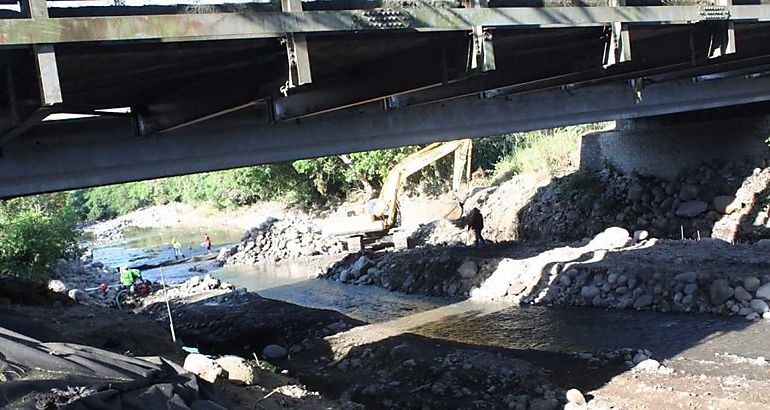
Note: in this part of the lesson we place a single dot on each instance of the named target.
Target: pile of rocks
(195, 285)
(582, 204)
(689, 291)
(232, 368)
(612, 270)
(278, 239)
(78, 278)
(435, 271)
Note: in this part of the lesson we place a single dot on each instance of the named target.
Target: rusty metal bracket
(618, 49)
(481, 52)
(723, 37)
(296, 52)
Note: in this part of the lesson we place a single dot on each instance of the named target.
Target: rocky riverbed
(613, 270)
(432, 359)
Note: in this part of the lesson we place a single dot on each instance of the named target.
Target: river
(687, 337)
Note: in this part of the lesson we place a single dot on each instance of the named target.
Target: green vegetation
(34, 232)
(336, 176)
(549, 151)
(300, 181)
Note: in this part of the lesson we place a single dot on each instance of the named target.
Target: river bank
(627, 320)
(470, 355)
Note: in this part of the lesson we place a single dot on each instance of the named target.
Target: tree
(34, 232)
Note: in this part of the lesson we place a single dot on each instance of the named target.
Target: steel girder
(71, 154)
(213, 26)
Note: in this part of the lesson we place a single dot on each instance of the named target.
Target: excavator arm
(384, 214)
(388, 199)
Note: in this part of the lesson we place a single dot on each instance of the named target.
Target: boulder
(468, 269)
(751, 283)
(643, 301)
(589, 292)
(720, 292)
(613, 237)
(647, 366)
(361, 266)
(516, 288)
(759, 306)
(688, 192)
(741, 294)
(641, 235)
(202, 366)
(238, 370)
(274, 352)
(763, 292)
(57, 286)
(687, 277)
(726, 204)
(575, 397)
(77, 295)
(691, 209)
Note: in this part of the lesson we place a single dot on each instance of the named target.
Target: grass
(547, 151)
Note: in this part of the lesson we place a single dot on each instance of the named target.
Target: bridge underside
(189, 102)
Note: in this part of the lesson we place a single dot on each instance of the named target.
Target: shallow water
(152, 246)
(530, 327)
(290, 282)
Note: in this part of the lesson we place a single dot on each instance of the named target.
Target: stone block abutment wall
(664, 146)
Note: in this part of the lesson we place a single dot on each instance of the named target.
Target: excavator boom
(384, 215)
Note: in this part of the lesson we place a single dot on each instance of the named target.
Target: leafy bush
(34, 232)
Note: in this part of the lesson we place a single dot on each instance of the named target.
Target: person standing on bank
(476, 222)
(207, 242)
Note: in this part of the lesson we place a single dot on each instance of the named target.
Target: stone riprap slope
(613, 270)
(710, 199)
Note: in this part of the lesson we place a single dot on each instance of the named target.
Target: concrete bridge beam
(71, 154)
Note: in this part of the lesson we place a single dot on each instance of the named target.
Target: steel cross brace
(481, 53)
(723, 40)
(296, 51)
(619, 45)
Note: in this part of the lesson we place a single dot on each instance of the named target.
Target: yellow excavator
(380, 219)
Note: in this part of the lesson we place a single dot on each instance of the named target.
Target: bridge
(170, 89)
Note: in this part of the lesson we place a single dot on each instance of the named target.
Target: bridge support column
(665, 145)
